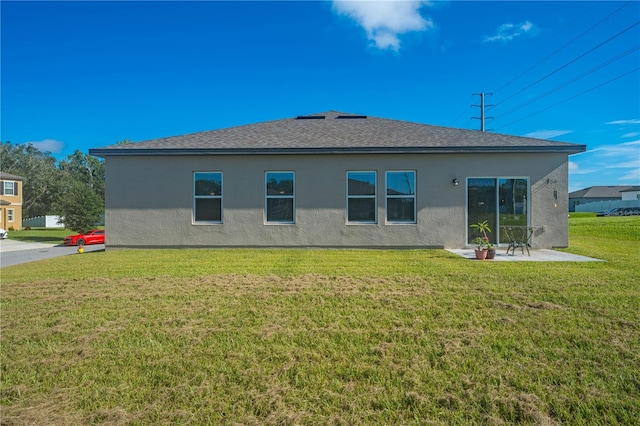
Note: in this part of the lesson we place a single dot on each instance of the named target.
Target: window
(401, 197)
(361, 197)
(280, 197)
(9, 188)
(207, 200)
(499, 201)
(10, 213)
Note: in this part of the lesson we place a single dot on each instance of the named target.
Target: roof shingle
(600, 192)
(9, 176)
(336, 132)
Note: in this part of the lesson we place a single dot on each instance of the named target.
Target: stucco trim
(105, 152)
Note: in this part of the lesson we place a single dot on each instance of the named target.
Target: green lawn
(43, 235)
(325, 336)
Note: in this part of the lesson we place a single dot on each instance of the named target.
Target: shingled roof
(336, 132)
(9, 176)
(600, 192)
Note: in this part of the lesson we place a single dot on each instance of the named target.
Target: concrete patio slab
(536, 256)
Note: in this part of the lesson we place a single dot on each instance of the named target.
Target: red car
(92, 237)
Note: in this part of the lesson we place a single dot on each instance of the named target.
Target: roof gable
(336, 132)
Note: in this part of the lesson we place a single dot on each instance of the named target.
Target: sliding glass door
(499, 201)
(481, 205)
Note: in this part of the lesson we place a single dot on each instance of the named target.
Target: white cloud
(632, 121)
(625, 149)
(575, 169)
(47, 145)
(633, 164)
(613, 164)
(385, 21)
(509, 31)
(630, 135)
(632, 177)
(547, 134)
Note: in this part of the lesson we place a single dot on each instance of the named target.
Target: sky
(79, 75)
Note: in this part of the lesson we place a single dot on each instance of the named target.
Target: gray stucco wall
(149, 199)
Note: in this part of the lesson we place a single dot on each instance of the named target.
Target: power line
(571, 81)
(606, 18)
(572, 97)
(581, 35)
(571, 62)
(459, 116)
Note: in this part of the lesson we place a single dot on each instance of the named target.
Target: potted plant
(491, 251)
(482, 242)
(481, 248)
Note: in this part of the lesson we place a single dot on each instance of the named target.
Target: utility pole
(482, 106)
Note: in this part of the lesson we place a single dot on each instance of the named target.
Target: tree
(82, 202)
(81, 207)
(73, 189)
(87, 169)
(42, 183)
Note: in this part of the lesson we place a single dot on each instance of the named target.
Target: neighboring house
(334, 180)
(632, 193)
(595, 194)
(10, 201)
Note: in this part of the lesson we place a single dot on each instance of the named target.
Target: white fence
(601, 206)
(43, 222)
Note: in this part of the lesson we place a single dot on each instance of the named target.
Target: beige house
(10, 201)
(334, 180)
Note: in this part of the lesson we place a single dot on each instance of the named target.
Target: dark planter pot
(491, 254)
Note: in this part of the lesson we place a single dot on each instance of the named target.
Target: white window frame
(374, 197)
(9, 184)
(217, 196)
(268, 197)
(387, 197)
(11, 214)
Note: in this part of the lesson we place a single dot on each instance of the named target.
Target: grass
(42, 235)
(582, 214)
(325, 336)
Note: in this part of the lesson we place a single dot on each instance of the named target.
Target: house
(334, 180)
(630, 194)
(594, 194)
(10, 201)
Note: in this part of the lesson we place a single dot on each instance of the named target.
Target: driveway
(14, 252)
